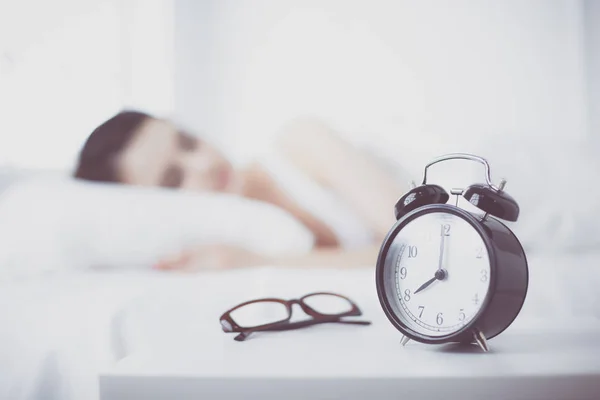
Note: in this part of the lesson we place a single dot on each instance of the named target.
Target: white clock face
(442, 273)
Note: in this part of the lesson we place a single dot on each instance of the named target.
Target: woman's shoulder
(313, 197)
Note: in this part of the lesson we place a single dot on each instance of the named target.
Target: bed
(77, 294)
(59, 331)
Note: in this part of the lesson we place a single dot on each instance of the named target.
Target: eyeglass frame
(229, 325)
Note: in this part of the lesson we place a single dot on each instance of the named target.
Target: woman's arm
(363, 183)
(211, 257)
(330, 258)
(261, 186)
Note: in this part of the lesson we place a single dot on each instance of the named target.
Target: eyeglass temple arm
(286, 326)
(302, 324)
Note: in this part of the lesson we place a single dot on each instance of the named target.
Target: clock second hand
(440, 274)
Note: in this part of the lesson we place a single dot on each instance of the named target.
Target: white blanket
(58, 331)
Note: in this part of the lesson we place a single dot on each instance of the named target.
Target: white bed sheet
(59, 331)
(56, 331)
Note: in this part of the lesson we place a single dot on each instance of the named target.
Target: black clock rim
(526, 288)
(455, 336)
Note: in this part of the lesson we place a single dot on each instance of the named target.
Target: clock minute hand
(441, 249)
(440, 274)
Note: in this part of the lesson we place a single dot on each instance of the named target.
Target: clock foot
(480, 339)
(404, 340)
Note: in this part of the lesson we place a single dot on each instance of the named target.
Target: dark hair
(97, 159)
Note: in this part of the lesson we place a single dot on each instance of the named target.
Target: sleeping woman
(341, 194)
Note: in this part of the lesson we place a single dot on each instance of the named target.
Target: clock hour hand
(423, 286)
(439, 275)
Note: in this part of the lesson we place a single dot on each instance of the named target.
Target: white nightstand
(531, 360)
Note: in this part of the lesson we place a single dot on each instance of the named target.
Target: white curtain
(67, 65)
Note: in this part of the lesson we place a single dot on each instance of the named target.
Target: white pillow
(555, 185)
(57, 224)
(554, 182)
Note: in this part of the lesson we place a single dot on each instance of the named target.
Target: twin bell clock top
(445, 274)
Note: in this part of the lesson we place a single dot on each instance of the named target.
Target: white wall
(195, 63)
(401, 70)
(464, 70)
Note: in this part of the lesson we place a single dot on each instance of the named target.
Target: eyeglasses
(273, 314)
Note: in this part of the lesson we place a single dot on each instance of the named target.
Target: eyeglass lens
(268, 312)
(260, 313)
(328, 304)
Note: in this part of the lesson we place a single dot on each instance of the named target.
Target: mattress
(59, 330)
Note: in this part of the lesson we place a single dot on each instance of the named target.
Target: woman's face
(161, 155)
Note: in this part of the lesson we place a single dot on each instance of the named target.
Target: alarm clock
(445, 274)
